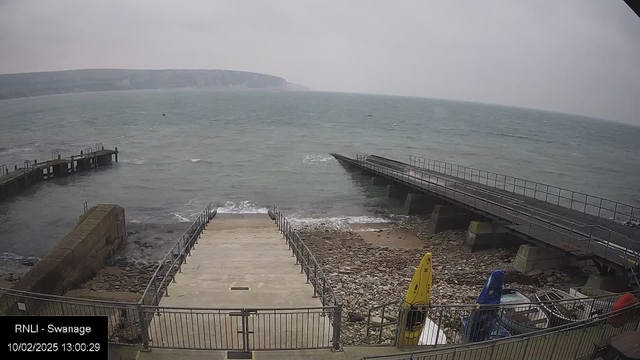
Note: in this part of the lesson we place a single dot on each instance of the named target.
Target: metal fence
(460, 323)
(123, 318)
(242, 329)
(148, 325)
(308, 264)
(589, 204)
(573, 340)
(315, 275)
(561, 232)
(175, 257)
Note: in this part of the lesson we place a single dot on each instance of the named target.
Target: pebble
(134, 277)
(365, 275)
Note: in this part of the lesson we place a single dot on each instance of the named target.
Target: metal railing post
(337, 326)
(606, 250)
(315, 279)
(307, 265)
(438, 328)
(143, 329)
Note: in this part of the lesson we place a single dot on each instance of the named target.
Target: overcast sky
(576, 56)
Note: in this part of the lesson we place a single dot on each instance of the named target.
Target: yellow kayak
(416, 300)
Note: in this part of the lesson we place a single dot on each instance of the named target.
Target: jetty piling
(32, 172)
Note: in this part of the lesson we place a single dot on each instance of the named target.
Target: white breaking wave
(12, 256)
(197, 160)
(133, 161)
(338, 223)
(181, 218)
(318, 159)
(14, 150)
(244, 207)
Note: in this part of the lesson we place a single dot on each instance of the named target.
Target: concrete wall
(80, 254)
(420, 204)
(531, 257)
(446, 218)
(398, 192)
(485, 235)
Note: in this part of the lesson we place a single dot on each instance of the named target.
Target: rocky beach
(372, 264)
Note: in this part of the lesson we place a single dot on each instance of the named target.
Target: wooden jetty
(22, 177)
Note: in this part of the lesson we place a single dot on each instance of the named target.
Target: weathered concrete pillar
(613, 283)
(485, 235)
(397, 191)
(531, 257)
(419, 204)
(379, 180)
(449, 218)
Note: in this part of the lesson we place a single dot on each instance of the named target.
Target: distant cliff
(72, 81)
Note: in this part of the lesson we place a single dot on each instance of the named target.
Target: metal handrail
(445, 310)
(173, 259)
(492, 179)
(634, 252)
(307, 261)
(600, 320)
(574, 225)
(432, 184)
(508, 305)
(315, 275)
(186, 308)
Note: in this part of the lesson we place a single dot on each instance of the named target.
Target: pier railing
(308, 264)
(175, 257)
(315, 275)
(546, 227)
(573, 340)
(575, 200)
(455, 324)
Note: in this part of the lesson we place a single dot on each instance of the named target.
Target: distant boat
(370, 115)
(518, 315)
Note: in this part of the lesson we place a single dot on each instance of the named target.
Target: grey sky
(576, 56)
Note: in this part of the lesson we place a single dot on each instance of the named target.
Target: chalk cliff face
(61, 82)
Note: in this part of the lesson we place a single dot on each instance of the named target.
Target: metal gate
(241, 330)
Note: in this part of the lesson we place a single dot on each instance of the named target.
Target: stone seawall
(81, 253)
